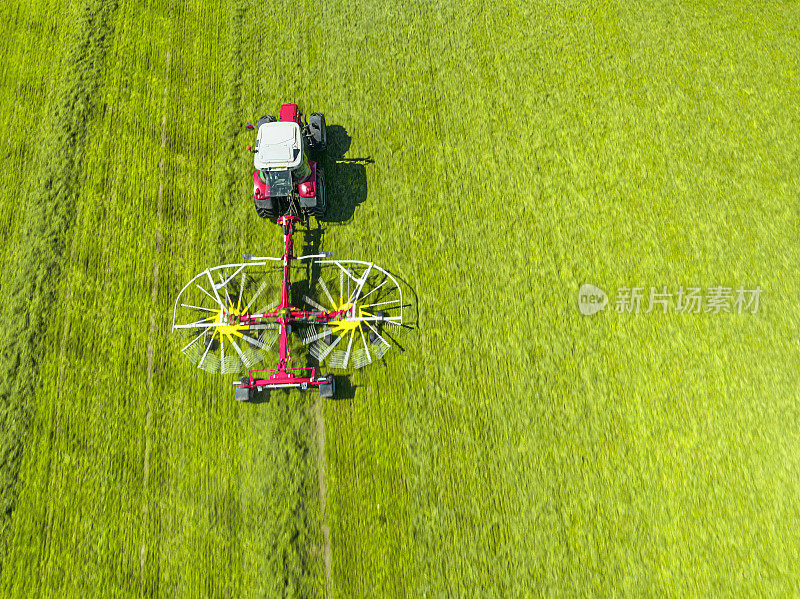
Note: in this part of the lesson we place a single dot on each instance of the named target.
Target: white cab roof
(278, 145)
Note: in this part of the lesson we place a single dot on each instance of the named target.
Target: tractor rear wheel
(322, 194)
(266, 209)
(266, 214)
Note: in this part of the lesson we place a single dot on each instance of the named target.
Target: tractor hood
(278, 146)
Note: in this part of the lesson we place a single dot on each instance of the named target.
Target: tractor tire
(317, 132)
(267, 214)
(328, 388)
(266, 209)
(267, 118)
(322, 194)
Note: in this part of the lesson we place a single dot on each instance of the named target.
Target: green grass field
(515, 447)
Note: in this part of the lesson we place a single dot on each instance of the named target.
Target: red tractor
(288, 177)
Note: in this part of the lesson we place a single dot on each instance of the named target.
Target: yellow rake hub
(231, 317)
(345, 326)
(349, 326)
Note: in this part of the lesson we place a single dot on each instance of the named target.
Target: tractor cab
(286, 174)
(279, 153)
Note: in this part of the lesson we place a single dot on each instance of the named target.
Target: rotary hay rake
(234, 315)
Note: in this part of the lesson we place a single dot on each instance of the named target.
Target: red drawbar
(288, 113)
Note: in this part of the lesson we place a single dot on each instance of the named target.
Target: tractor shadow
(345, 178)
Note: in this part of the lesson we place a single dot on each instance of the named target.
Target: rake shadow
(345, 389)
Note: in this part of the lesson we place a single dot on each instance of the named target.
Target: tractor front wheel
(317, 132)
(267, 118)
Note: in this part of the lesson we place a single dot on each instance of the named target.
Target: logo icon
(591, 299)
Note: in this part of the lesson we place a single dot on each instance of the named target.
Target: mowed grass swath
(26, 92)
(513, 447)
(48, 203)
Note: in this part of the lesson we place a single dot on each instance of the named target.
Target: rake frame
(237, 321)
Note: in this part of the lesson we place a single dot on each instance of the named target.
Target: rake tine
(205, 353)
(239, 351)
(349, 346)
(214, 289)
(327, 293)
(224, 286)
(270, 341)
(315, 337)
(309, 332)
(269, 308)
(373, 290)
(192, 342)
(366, 347)
(359, 285)
(375, 330)
(382, 348)
(261, 288)
(347, 271)
(241, 292)
(261, 327)
(226, 280)
(213, 299)
(313, 304)
(329, 349)
(197, 308)
(257, 342)
(382, 304)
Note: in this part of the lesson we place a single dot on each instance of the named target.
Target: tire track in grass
(49, 208)
(153, 297)
(319, 425)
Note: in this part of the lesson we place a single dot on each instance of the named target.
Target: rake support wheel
(244, 393)
(328, 388)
